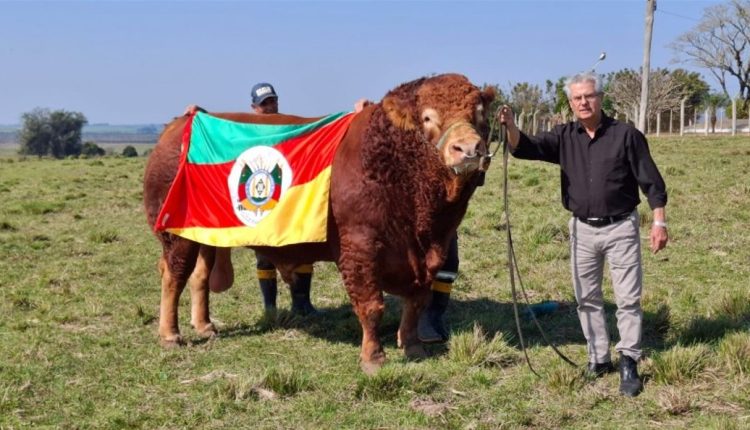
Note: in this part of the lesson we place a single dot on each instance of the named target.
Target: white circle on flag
(259, 178)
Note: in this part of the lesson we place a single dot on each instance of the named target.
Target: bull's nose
(467, 149)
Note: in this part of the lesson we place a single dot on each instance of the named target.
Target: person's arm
(652, 185)
(544, 146)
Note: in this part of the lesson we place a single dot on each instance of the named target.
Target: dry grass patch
(675, 401)
(680, 364)
(474, 349)
(734, 353)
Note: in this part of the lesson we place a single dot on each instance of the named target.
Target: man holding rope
(603, 162)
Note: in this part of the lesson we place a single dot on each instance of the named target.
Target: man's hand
(361, 104)
(505, 116)
(192, 110)
(659, 238)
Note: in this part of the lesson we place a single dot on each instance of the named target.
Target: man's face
(585, 102)
(269, 105)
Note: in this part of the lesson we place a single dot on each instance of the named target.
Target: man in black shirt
(602, 162)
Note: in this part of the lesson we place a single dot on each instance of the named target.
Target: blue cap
(261, 92)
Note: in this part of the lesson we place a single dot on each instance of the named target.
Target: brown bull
(401, 182)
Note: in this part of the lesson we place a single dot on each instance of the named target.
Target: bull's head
(452, 114)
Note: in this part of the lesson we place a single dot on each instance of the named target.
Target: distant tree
(720, 42)
(527, 99)
(624, 90)
(560, 99)
(500, 99)
(56, 133)
(742, 109)
(713, 102)
(129, 151)
(91, 149)
(694, 87)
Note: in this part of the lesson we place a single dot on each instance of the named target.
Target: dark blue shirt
(599, 177)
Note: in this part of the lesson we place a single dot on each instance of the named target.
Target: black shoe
(303, 307)
(300, 290)
(630, 382)
(597, 370)
(431, 327)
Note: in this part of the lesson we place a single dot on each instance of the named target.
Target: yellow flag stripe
(300, 217)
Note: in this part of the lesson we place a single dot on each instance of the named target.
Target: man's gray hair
(583, 77)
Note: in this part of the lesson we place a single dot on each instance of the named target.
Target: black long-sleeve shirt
(599, 177)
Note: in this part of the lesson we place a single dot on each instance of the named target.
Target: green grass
(79, 297)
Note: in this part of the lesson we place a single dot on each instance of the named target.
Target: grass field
(79, 297)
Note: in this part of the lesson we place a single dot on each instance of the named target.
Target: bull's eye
(426, 118)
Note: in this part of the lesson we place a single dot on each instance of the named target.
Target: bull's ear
(488, 95)
(399, 112)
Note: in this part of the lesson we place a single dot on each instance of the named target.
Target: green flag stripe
(214, 140)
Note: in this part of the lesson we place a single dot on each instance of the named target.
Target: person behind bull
(265, 101)
(431, 327)
(602, 162)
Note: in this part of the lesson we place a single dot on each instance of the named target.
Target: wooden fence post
(671, 120)
(682, 117)
(658, 123)
(707, 118)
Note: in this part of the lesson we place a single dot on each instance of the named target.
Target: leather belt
(603, 221)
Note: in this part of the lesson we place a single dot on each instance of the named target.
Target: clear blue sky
(142, 62)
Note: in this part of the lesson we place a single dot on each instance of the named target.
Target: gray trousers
(620, 244)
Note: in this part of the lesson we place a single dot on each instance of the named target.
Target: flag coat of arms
(241, 184)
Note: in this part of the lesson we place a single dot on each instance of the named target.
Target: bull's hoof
(173, 341)
(208, 331)
(370, 367)
(375, 362)
(415, 352)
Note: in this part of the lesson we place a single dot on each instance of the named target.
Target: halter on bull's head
(452, 115)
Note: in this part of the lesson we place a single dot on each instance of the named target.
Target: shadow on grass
(340, 324)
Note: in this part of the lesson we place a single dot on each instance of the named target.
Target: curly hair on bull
(401, 104)
(403, 167)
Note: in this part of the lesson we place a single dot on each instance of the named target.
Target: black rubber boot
(597, 370)
(431, 327)
(300, 289)
(630, 382)
(269, 290)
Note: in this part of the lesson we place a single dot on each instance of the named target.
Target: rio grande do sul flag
(244, 184)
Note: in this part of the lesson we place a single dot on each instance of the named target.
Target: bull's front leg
(199, 292)
(357, 269)
(407, 330)
(176, 265)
